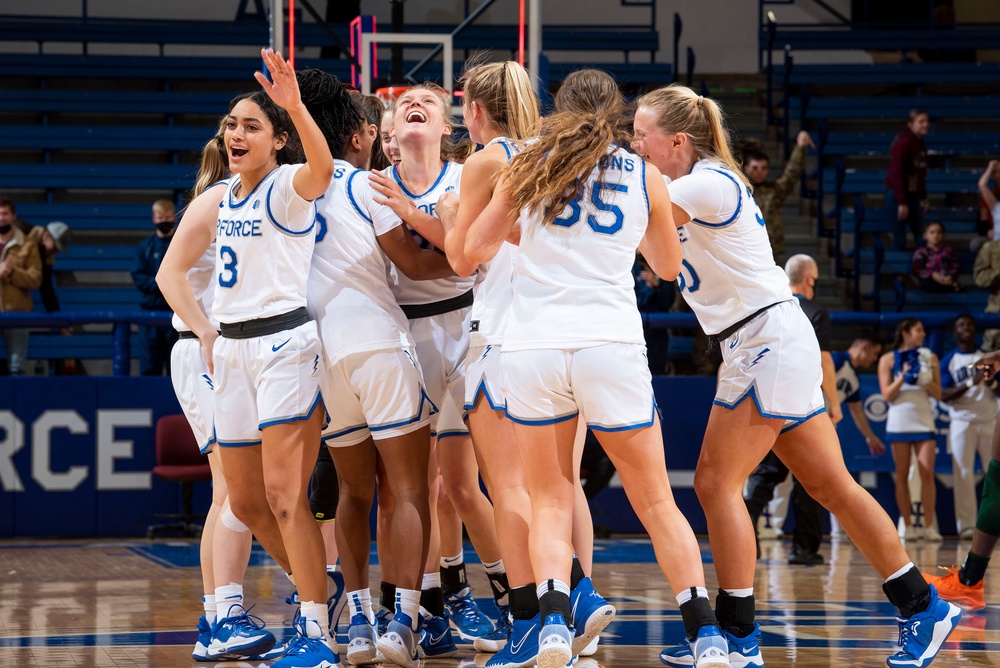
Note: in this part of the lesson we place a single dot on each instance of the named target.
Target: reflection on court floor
(136, 604)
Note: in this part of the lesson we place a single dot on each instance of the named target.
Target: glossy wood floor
(136, 604)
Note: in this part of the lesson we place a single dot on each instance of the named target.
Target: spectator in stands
(908, 376)
(653, 296)
(20, 273)
(972, 404)
(906, 181)
(935, 265)
(771, 195)
(803, 272)
(51, 239)
(154, 351)
(986, 274)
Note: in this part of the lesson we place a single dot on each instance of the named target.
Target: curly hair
(336, 111)
(588, 121)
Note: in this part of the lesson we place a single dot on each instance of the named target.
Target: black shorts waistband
(187, 334)
(414, 311)
(251, 329)
(716, 339)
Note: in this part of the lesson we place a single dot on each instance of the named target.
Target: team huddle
(443, 320)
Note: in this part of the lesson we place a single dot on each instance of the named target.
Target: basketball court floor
(136, 604)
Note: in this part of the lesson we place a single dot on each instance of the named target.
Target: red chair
(178, 459)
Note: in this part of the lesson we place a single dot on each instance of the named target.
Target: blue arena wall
(76, 456)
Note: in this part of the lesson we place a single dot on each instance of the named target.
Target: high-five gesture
(283, 88)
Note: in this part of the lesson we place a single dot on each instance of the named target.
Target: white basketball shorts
(377, 393)
(195, 390)
(442, 342)
(610, 384)
(265, 381)
(774, 360)
(482, 378)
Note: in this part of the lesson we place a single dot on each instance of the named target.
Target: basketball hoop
(389, 94)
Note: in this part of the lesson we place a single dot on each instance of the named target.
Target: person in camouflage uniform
(771, 195)
(986, 273)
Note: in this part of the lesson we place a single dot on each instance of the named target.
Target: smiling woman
(267, 358)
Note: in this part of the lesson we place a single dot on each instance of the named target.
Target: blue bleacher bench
(88, 216)
(105, 137)
(895, 107)
(806, 37)
(883, 74)
(48, 100)
(864, 181)
(53, 345)
(942, 143)
(107, 257)
(111, 176)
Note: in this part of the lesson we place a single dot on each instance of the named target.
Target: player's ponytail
(505, 93)
(573, 141)
(681, 110)
(214, 162)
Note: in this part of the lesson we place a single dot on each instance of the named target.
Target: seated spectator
(20, 273)
(935, 265)
(653, 295)
(771, 195)
(906, 180)
(51, 239)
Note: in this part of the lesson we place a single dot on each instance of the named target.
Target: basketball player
(768, 393)
(574, 344)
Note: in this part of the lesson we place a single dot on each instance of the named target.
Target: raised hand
(282, 88)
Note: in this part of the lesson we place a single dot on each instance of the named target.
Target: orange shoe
(950, 588)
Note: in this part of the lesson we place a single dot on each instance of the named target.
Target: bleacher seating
(159, 103)
(888, 74)
(806, 107)
(112, 217)
(864, 181)
(939, 143)
(105, 137)
(109, 176)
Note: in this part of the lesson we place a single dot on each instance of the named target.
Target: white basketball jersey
(573, 284)
(979, 402)
(201, 276)
(728, 270)
(349, 293)
(265, 242)
(493, 288)
(407, 291)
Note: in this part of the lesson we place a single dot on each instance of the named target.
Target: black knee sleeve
(324, 488)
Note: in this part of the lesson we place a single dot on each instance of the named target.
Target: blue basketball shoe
(743, 652)
(201, 646)
(361, 641)
(399, 643)
(521, 649)
(591, 614)
(306, 652)
(435, 638)
(710, 648)
(465, 616)
(921, 635)
(238, 635)
(497, 638)
(555, 642)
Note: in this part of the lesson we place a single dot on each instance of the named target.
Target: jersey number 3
(227, 277)
(574, 213)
